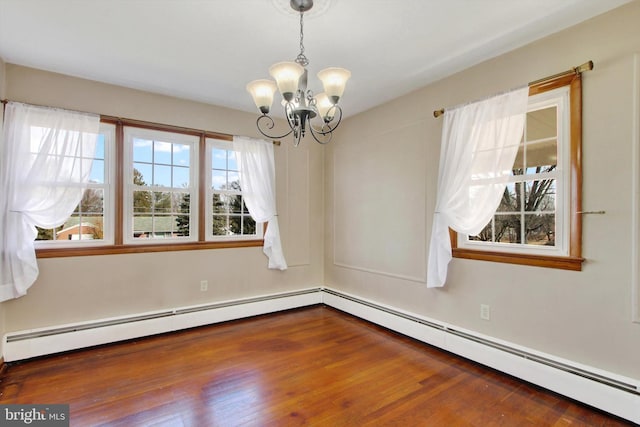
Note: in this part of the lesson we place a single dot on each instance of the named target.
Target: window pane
(162, 175)
(80, 227)
(235, 225)
(542, 156)
(233, 182)
(219, 204)
(99, 147)
(163, 226)
(540, 229)
(508, 228)
(248, 226)
(162, 203)
(181, 155)
(142, 174)
(245, 210)
(184, 218)
(142, 150)
(92, 201)
(162, 152)
(142, 226)
(235, 204)
(142, 201)
(97, 172)
(511, 198)
(220, 225)
(180, 177)
(218, 179)
(540, 195)
(219, 158)
(542, 124)
(232, 161)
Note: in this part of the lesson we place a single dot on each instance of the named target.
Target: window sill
(563, 263)
(135, 249)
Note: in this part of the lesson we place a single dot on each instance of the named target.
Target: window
(538, 220)
(227, 213)
(146, 187)
(90, 223)
(162, 182)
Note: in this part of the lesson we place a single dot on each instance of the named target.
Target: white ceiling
(207, 50)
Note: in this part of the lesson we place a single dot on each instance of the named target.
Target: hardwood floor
(313, 366)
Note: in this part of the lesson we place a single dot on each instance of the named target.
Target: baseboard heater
(632, 388)
(42, 341)
(610, 392)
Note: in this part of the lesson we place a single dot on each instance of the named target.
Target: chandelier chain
(301, 58)
(302, 33)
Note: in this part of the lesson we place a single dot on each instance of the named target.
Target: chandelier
(300, 104)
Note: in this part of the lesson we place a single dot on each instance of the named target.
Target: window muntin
(227, 215)
(161, 186)
(533, 215)
(91, 222)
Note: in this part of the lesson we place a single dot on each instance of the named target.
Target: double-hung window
(538, 220)
(161, 192)
(91, 222)
(227, 214)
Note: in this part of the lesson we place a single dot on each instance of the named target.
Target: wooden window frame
(574, 260)
(119, 246)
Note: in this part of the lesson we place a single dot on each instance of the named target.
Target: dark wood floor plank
(313, 366)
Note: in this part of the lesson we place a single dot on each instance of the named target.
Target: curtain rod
(587, 66)
(144, 123)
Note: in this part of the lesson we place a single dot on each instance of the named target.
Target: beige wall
(94, 287)
(381, 176)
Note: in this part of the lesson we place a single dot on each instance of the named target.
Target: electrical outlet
(204, 285)
(485, 312)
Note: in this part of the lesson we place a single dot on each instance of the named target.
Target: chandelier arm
(327, 125)
(270, 124)
(323, 139)
(291, 117)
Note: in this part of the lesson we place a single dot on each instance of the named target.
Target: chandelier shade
(300, 104)
(334, 81)
(324, 106)
(287, 75)
(262, 92)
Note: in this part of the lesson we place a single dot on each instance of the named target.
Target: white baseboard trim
(42, 341)
(607, 391)
(610, 392)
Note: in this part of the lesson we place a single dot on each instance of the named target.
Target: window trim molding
(574, 260)
(119, 246)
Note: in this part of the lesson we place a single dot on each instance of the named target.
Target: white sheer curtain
(46, 157)
(479, 145)
(258, 183)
